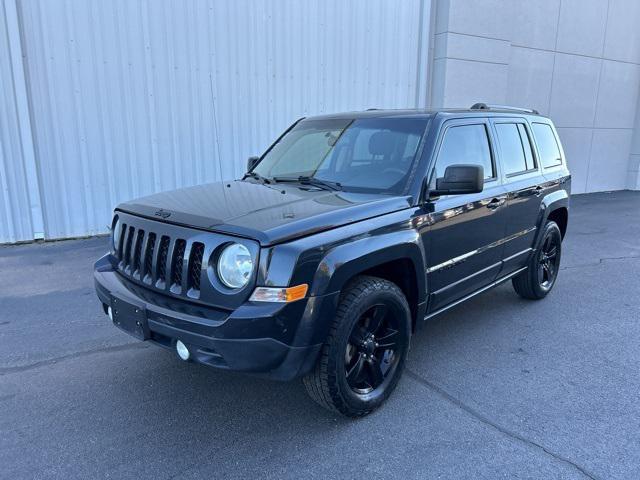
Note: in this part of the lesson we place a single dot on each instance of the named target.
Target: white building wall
(20, 212)
(634, 160)
(106, 101)
(14, 222)
(577, 61)
(130, 98)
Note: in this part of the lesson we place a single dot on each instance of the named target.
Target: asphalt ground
(498, 387)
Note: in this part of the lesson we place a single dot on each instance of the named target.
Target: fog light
(182, 350)
(110, 313)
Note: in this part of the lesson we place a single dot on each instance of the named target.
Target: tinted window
(526, 144)
(515, 148)
(547, 145)
(466, 144)
(301, 155)
(364, 155)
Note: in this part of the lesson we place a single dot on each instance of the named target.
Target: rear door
(525, 185)
(465, 232)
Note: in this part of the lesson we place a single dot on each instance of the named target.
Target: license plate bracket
(130, 318)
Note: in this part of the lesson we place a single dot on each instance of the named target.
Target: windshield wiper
(313, 181)
(257, 176)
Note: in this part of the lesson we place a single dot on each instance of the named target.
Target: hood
(267, 213)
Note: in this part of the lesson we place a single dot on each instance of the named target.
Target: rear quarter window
(548, 149)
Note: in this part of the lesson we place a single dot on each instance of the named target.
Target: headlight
(235, 266)
(115, 233)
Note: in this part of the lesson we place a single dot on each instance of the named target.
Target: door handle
(495, 203)
(538, 191)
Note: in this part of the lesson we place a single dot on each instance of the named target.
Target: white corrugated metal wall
(20, 205)
(127, 98)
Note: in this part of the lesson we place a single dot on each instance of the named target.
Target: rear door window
(515, 148)
(465, 144)
(528, 149)
(547, 145)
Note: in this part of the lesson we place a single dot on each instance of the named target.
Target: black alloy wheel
(363, 357)
(549, 260)
(370, 355)
(544, 264)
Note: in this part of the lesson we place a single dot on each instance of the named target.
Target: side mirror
(252, 162)
(460, 179)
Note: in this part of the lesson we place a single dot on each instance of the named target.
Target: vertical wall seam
(595, 113)
(433, 12)
(150, 97)
(555, 55)
(213, 77)
(80, 122)
(10, 232)
(19, 83)
(423, 66)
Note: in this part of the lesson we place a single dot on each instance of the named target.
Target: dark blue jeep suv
(346, 235)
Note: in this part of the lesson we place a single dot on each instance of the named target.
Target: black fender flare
(345, 261)
(550, 202)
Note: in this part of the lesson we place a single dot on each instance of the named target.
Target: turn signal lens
(283, 295)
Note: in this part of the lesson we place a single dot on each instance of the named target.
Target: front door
(465, 236)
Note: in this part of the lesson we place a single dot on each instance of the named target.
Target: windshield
(365, 155)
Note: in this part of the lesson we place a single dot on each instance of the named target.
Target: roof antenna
(215, 127)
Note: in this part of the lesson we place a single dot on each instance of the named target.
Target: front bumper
(278, 341)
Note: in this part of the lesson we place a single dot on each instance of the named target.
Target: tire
(539, 278)
(359, 366)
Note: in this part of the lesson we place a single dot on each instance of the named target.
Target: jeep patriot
(347, 234)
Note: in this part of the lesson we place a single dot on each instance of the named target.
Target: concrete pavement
(497, 388)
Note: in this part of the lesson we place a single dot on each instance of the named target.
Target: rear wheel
(538, 280)
(364, 355)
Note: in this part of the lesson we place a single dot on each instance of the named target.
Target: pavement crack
(487, 421)
(600, 262)
(51, 361)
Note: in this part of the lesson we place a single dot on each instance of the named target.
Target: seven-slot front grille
(177, 261)
(159, 260)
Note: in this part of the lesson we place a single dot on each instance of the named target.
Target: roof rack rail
(487, 106)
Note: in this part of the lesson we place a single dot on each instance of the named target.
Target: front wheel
(364, 355)
(538, 280)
